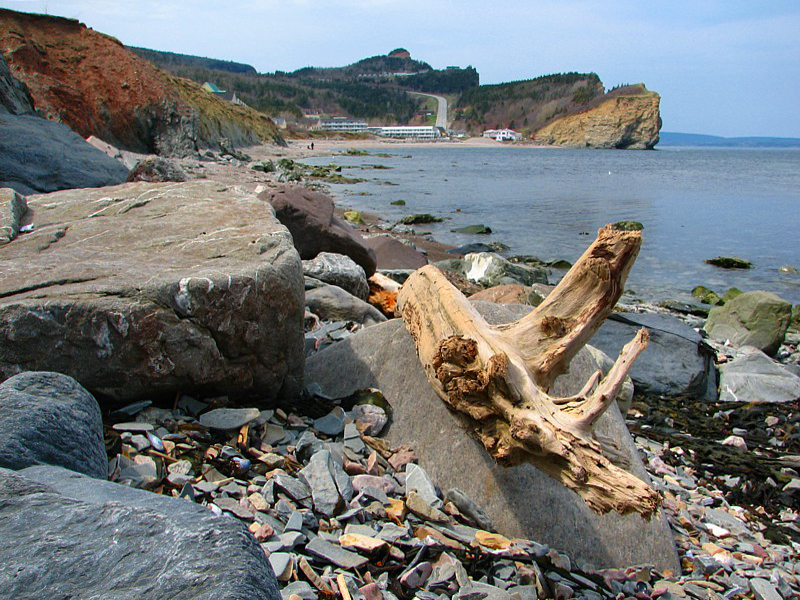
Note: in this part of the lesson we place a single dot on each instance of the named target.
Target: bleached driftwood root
(498, 378)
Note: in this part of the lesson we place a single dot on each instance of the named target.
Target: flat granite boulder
(154, 288)
(520, 501)
(49, 419)
(66, 535)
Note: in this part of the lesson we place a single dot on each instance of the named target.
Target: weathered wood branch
(498, 378)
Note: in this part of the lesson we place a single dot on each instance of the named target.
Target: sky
(722, 67)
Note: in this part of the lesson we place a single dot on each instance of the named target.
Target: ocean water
(694, 203)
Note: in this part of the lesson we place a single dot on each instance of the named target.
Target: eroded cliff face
(627, 120)
(96, 86)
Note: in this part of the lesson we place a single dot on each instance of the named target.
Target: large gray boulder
(676, 362)
(758, 319)
(520, 501)
(154, 288)
(49, 419)
(315, 228)
(752, 376)
(70, 536)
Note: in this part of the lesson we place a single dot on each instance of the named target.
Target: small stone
(396, 510)
(494, 541)
(419, 507)
(295, 522)
(232, 505)
(181, 467)
(258, 502)
(134, 426)
(273, 434)
(361, 481)
(469, 508)
(179, 479)
(282, 564)
(735, 441)
(319, 475)
(417, 480)
(331, 424)
(272, 460)
(369, 419)
(205, 487)
(792, 486)
(362, 543)
(416, 577)
(227, 419)
(335, 555)
(295, 488)
(402, 456)
(263, 532)
(139, 442)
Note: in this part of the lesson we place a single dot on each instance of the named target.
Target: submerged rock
(729, 262)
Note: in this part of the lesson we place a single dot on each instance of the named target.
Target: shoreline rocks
(150, 288)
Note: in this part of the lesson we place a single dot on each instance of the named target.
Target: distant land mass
(566, 109)
(671, 138)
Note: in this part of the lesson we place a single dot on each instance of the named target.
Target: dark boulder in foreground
(520, 501)
(66, 535)
(49, 419)
(309, 217)
(154, 288)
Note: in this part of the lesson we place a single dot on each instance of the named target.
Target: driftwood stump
(498, 378)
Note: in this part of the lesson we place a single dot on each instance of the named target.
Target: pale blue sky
(722, 67)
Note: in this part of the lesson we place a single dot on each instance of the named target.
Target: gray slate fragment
(469, 508)
(297, 489)
(331, 424)
(418, 480)
(59, 528)
(335, 555)
(763, 590)
(319, 476)
(226, 419)
(49, 419)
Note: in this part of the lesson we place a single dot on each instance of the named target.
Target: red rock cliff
(91, 82)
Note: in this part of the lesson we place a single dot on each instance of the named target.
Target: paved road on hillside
(441, 114)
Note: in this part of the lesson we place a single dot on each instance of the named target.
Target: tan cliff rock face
(92, 83)
(627, 120)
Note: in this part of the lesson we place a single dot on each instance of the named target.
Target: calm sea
(694, 203)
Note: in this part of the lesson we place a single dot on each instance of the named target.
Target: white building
(502, 135)
(418, 132)
(342, 124)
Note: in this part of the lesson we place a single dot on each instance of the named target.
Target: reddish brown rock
(309, 217)
(394, 254)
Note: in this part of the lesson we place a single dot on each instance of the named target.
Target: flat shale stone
(226, 419)
(335, 555)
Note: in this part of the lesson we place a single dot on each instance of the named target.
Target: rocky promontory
(92, 83)
(627, 118)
